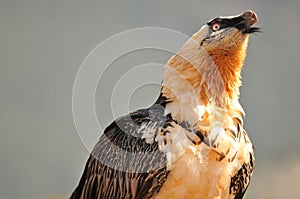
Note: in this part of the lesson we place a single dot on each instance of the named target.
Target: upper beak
(249, 18)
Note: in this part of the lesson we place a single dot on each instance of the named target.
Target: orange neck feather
(229, 65)
(216, 72)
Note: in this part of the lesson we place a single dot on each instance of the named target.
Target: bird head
(225, 34)
(218, 51)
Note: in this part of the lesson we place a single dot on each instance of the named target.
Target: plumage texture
(191, 143)
(122, 164)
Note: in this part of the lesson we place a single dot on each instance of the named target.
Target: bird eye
(215, 26)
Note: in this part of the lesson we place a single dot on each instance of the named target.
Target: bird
(191, 142)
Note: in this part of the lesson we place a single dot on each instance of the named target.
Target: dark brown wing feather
(122, 164)
(240, 182)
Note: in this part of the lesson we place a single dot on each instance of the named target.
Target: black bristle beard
(252, 30)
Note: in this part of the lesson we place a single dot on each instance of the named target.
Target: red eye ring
(215, 26)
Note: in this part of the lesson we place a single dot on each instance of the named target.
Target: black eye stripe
(226, 22)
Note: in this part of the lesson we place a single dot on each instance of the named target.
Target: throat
(226, 73)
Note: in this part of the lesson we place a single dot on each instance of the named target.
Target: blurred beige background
(43, 43)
